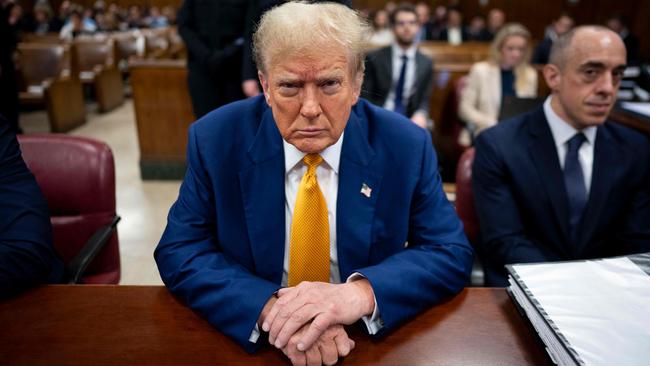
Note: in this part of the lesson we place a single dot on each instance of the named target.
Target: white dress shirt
(409, 78)
(562, 132)
(327, 174)
(454, 36)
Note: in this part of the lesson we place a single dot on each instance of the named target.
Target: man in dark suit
(27, 256)
(561, 183)
(561, 25)
(311, 188)
(213, 32)
(399, 77)
(454, 32)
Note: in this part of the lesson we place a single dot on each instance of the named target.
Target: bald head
(584, 38)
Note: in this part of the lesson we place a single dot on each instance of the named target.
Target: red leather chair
(464, 195)
(466, 212)
(77, 177)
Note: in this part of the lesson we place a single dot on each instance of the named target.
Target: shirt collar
(561, 130)
(410, 52)
(331, 155)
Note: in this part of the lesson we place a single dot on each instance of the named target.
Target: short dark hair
(403, 7)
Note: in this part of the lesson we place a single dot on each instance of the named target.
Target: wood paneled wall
(536, 15)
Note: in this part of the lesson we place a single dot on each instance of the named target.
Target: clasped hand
(311, 314)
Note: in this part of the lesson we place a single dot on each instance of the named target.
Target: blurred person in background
(424, 17)
(496, 20)
(477, 29)
(454, 32)
(618, 23)
(560, 26)
(507, 72)
(382, 35)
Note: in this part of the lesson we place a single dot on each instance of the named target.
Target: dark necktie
(399, 88)
(574, 182)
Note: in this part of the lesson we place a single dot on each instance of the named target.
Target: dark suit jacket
(222, 251)
(444, 35)
(521, 200)
(542, 51)
(378, 79)
(27, 256)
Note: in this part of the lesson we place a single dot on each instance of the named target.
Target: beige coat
(481, 97)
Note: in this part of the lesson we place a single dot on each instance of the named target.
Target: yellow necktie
(309, 256)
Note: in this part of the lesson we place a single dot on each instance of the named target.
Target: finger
(277, 306)
(314, 357)
(328, 351)
(317, 327)
(297, 358)
(283, 291)
(297, 320)
(343, 344)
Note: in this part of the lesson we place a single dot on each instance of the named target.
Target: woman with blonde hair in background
(507, 72)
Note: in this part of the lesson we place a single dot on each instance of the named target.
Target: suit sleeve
(503, 238)
(427, 85)
(438, 259)
(27, 256)
(635, 230)
(195, 269)
(369, 87)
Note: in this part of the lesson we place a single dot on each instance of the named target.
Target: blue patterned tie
(574, 182)
(399, 89)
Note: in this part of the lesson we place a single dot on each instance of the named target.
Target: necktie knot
(575, 142)
(404, 58)
(312, 161)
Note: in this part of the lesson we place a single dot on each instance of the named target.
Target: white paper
(642, 108)
(601, 307)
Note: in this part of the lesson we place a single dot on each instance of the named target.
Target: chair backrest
(77, 177)
(88, 53)
(127, 45)
(40, 61)
(464, 195)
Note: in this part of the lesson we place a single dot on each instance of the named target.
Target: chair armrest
(77, 266)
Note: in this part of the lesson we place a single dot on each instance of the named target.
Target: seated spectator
(438, 22)
(134, 19)
(27, 257)
(507, 72)
(399, 77)
(496, 20)
(76, 27)
(156, 19)
(454, 32)
(381, 32)
(169, 12)
(560, 183)
(561, 25)
(424, 18)
(43, 23)
(618, 24)
(477, 30)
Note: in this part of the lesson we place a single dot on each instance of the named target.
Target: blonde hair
(510, 30)
(303, 28)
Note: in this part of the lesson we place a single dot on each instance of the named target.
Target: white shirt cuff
(373, 322)
(255, 334)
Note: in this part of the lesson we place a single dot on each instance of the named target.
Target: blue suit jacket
(522, 203)
(27, 256)
(222, 251)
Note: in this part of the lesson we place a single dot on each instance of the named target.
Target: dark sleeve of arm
(428, 89)
(27, 257)
(503, 239)
(193, 266)
(436, 263)
(635, 231)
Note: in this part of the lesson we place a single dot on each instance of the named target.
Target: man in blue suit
(561, 183)
(395, 244)
(27, 257)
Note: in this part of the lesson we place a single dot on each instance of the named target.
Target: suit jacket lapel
(386, 70)
(544, 154)
(355, 209)
(606, 155)
(262, 187)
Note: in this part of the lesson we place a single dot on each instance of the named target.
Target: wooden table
(142, 325)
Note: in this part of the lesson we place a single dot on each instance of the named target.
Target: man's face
(423, 12)
(405, 28)
(496, 19)
(584, 90)
(563, 25)
(311, 97)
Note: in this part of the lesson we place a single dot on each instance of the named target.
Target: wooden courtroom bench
(163, 113)
(127, 46)
(44, 78)
(465, 53)
(93, 63)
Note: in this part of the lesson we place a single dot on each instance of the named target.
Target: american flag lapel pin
(365, 190)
